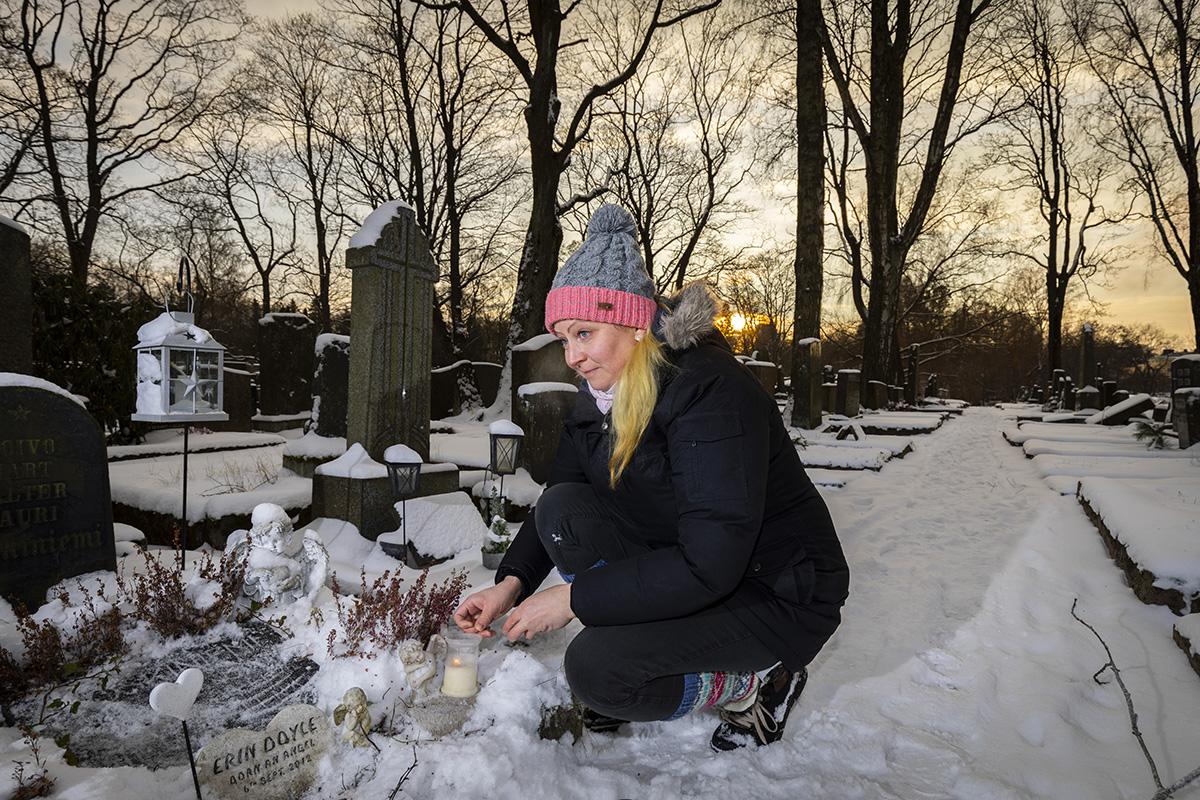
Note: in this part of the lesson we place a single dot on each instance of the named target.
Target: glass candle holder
(461, 675)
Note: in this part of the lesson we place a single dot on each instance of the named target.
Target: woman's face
(598, 351)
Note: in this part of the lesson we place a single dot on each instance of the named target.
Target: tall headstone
(1107, 389)
(806, 384)
(16, 298)
(1088, 397)
(285, 354)
(1185, 371)
(393, 274)
(847, 392)
(1068, 395)
(1087, 355)
(767, 374)
(877, 395)
(910, 383)
(55, 507)
(1185, 415)
(544, 391)
(487, 377)
(539, 360)
(238, 401)
(331, 379)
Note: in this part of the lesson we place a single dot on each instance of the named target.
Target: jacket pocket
(710, 445)
(795, 584)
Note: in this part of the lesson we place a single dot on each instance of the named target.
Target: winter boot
(762, 723)
(596, 722)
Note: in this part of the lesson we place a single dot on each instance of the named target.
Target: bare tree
(138, 76)
(303, 99)
(532, 40)
(670, 145)
(1144, 55)
(916, 60)
(1049, 153)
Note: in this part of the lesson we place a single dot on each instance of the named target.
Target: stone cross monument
(393, 274)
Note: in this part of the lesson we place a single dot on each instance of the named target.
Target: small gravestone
(1120, 396)
(896, 394)
(1087, 355)
(877, 394)
(910, 378)
(238, 401)
(828, 397)
(55, 507)
(285, 354)
(931, 385)
(16, 298)
(1068, 396)
(1185, 415)
(1185, 371)
(1088, 397)
(1107, 389)
(279, 762)
(331, 377)
(539, 360)
(847, 392)
(806, 384)
(446, 396)
(487, 378)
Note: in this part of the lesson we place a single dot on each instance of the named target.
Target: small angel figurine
(280, 565)
(354, 714)
(420, 664)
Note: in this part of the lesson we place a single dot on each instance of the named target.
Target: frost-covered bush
(384, 616)
(54, 654)
(172, 604)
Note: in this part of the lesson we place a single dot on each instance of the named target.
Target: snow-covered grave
(1151, 529)
(897, 423)
(958, 670)
(1018, 434)
(167, 441)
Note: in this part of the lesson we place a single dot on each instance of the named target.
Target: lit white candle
(460, 679)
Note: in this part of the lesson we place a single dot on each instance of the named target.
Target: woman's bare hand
(548, 610)
(484, 607)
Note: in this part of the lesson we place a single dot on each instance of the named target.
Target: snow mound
(402, 454)
(356, 462)
(538, 387)
(442, 525)
(376, 221)
(266, 513)
(157, 330)
(312, 446)
(505, 427)
(30, 382)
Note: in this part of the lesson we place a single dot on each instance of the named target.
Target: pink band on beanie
(598, 304)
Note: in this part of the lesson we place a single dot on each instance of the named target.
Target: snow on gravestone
(55, 508)
(278, 763)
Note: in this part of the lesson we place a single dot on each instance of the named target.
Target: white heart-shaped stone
(176, 699)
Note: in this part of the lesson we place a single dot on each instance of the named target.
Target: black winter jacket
(716, 489)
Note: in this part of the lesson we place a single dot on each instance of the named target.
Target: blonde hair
(633, 402)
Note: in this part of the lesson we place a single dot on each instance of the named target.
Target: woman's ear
(637, 337)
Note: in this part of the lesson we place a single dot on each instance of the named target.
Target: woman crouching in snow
(699, 557)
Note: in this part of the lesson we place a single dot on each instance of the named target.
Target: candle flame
(456, 662)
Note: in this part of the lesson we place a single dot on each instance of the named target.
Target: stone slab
(277, 763)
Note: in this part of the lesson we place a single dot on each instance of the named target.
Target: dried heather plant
(384, 616)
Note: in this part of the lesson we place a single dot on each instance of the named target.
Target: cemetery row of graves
(274, 568)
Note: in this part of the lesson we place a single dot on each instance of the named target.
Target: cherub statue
(280, 565)
(354, 714)
(420, 664)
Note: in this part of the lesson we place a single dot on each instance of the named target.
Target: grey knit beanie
(605, 280)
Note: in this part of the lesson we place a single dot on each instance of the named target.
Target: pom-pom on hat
(605, 280)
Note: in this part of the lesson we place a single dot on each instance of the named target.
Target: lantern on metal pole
(180, 373)
(505, 438)
(404, 471)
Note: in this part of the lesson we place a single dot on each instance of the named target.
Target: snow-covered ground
(958, 671)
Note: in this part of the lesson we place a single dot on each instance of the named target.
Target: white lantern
(180, 371)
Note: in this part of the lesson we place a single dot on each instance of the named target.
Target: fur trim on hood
(689, 316)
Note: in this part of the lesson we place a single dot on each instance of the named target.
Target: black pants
(634, 672)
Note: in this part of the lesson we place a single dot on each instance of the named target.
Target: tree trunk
(810, 194)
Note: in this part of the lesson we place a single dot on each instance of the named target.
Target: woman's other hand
(482, 608)
(548, 610)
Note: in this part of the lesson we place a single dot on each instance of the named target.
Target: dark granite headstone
(847, 392)
(1068, 396)
(445, 389)
(1120, 396)
(828, 375)
(1087, 356)
(877, 395)
(896, 394)
(285, 355)
(239, 403)
(806, 384)
(487, 378)
(539, 360)
(1185, 371)
(55, 508)
(330, 381)
(910, 378)
(1107, 388)
(1135, 409)
(1185, 415)
(931, 385)
(16, 299)
(541, 415)
(1088, 397)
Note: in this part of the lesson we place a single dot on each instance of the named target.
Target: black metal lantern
(505, 437)
(404, 470)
